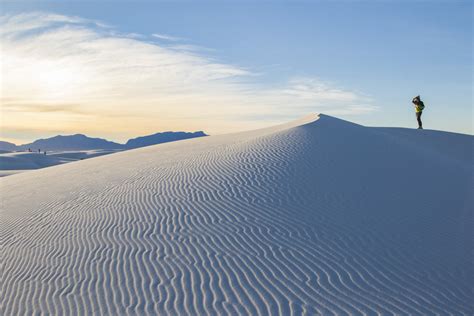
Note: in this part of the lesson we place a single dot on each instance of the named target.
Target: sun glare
(55, 82)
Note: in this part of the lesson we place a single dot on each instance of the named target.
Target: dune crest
(317, 216)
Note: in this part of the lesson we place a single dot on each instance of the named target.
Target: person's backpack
(421, 105)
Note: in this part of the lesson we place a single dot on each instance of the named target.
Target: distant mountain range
(6, 146)
(83, 142)
(71, 142)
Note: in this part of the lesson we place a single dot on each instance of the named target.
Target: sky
(122, 69)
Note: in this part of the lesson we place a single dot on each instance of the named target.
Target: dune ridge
(317, 216)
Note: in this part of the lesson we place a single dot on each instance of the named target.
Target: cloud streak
(55, 66)
(166, 37)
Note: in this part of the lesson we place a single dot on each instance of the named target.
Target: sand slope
(21, 161)
(318, 216)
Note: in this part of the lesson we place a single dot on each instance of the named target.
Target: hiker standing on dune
(419, 106)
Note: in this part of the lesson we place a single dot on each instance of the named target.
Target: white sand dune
(21, 161)
(319, 216)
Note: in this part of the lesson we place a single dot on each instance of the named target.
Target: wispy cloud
(313, 89)
(81, 74)
(42, 108)
(167, 37)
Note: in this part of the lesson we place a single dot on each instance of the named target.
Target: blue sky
(386, 52)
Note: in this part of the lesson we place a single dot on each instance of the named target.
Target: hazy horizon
(98, 137)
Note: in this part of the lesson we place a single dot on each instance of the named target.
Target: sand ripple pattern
(323, 218)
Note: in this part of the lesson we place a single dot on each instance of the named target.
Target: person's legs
(418, 118)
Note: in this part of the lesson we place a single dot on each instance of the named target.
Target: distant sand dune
(318, 216)
(21, 161)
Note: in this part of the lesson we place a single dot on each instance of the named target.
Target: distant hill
(6, 146)
(71, 142)
(83, 142)
(63, 149)
(159, 138)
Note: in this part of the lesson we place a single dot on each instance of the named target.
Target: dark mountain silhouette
(71, 142)
(159, 138)
(6, 146)
(83, 142)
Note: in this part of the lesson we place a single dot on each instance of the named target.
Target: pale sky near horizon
(123, 69)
